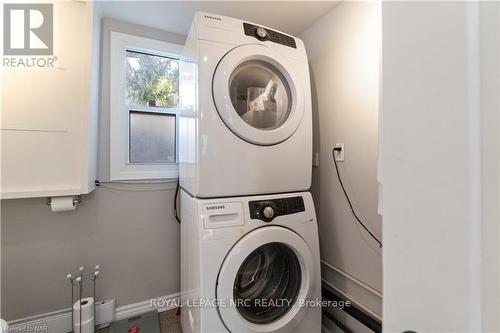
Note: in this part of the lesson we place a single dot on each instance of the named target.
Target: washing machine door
(263, 280)
(258, 94)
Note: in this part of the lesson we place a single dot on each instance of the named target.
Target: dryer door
(258, 95)
(263, 279)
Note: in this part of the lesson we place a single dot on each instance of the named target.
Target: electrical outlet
(339, 155)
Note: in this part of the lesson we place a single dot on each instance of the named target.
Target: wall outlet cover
(339, 156)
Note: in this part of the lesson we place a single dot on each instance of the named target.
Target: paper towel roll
(87, 310)
(62, 204)
(4, 327)
(87, 326)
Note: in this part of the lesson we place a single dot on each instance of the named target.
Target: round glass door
(258, 95)
(260, 282)
(267, 283)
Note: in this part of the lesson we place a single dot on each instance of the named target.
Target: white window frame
(120, 168)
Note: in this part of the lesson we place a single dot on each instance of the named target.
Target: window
(152, 80)
(151, 137)
(144, 96)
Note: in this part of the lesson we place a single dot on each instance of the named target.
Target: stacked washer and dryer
(249, 239)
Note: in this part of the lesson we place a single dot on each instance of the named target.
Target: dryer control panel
(267, 210)
(263, 34)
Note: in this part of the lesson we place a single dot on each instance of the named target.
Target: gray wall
(343, 50)
(131, 233)
(129, 230)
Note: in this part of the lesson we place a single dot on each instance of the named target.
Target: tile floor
(169, 322)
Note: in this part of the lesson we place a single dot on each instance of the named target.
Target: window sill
(139, 185)
(141, 172)
(139, 181)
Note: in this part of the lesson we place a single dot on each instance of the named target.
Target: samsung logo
(216, 207)
(213, 18)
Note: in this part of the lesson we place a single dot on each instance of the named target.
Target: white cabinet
(49, 115)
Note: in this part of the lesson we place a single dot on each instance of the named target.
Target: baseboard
(351, 318)
(325, 328)
(359, 293)
(135, 309)
(60, 321)
(331, 324)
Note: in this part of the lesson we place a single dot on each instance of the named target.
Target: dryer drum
(260, 94)
(267, 283)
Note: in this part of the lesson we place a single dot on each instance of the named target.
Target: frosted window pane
(152, 137)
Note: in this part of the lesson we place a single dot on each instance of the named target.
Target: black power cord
(339, 149)
(175, 201)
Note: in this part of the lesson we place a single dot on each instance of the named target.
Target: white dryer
(250, 264)
(245, 123)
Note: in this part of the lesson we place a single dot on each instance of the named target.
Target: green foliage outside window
(152, 80)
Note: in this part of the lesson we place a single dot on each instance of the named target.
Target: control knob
(268, 212)
(261, 33)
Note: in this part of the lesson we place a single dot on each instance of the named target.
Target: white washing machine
(245, 121)
(250, 264)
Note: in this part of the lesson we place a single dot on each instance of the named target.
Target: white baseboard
(60, 321)
(135, 309)
(360, 294)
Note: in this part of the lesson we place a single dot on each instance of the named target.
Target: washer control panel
(262, 34)
(267, 210)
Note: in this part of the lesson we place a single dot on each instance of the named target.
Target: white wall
(48, 113)
(343, 49)
(490, 140)
(437, 110)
